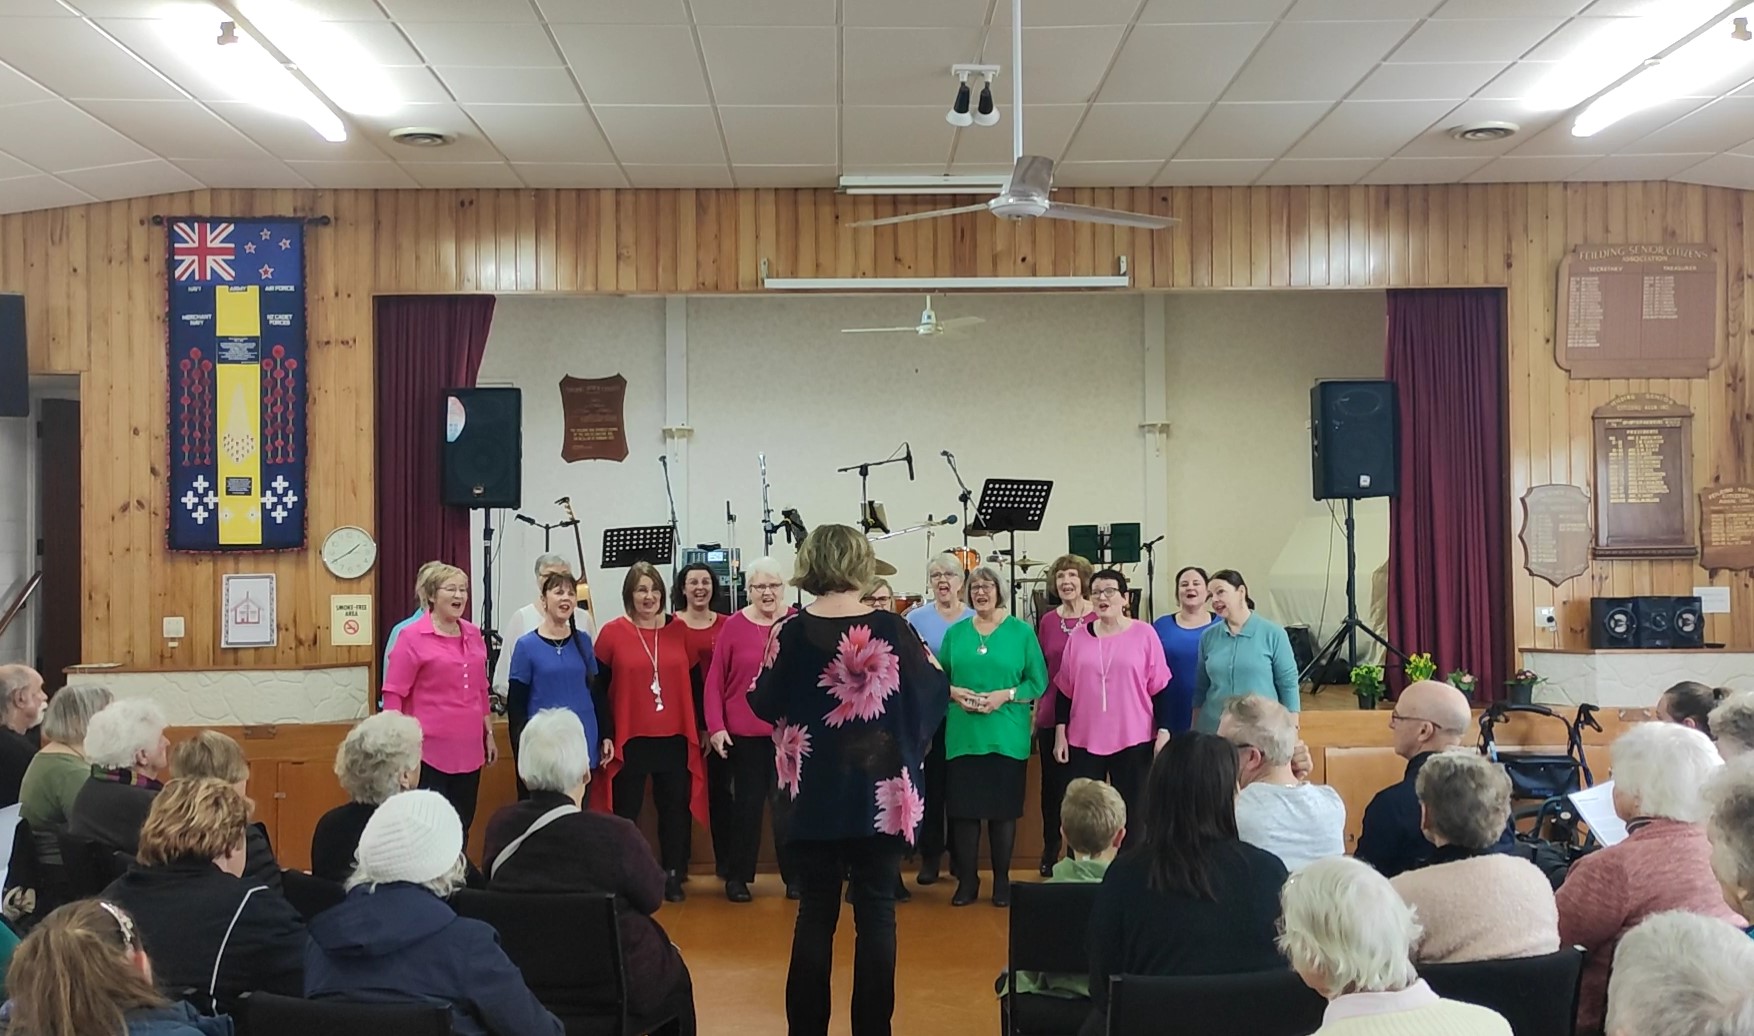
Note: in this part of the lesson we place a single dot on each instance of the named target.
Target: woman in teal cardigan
(996, 670)
(1241, 654)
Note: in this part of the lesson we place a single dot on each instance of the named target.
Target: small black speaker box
(1353, 434)
(484, 447)
(14, 366)
(1646, 622)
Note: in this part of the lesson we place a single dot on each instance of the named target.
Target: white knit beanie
(414, 836)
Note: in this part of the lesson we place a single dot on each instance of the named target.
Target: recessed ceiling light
(422, 136)
(1482, 132)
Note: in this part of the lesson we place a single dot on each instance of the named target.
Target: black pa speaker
(484, 447)
(1646, 622)
(14, 367)
(1353, 434)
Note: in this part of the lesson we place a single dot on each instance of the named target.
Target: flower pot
(1521, 693)
(1366, 703)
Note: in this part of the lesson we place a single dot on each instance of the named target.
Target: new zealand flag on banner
(238, 374)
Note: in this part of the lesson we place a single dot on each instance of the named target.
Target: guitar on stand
(565, 503)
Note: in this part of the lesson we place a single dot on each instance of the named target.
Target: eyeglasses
(453, 589)
(767, 587)
(878, 601)
(1107, 591)
(1396, 717)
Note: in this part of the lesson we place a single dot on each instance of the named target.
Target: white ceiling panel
(1047, 129)
(540, 133)
(1727, 170)
(770, 65)
(381, 42)
(54, 135)
(760, 12)
(1557, 139)
(288, 138)
(1317, 171)
(1160, 12)
(1424, 170)
(37, 9)
(1066, 12)
(1485, 39)
(904, 66)
(1193, 172)
(469, 145)
(1134, 132)
(463, 174)
(1359, 10)
(1516, 82)
(179, 129)
(1060, 66)
(634, 64)
(1251, 131)
(1305, 61)
(1580, 35)
(1454, 81)
(620, 12)
(1181, 62)
(38, 192)
(510, 85)
(680, 175)
(511, 45)
(897, 136)
(569, 174)
(358, 175)
(1510, 8)
(957, 13)
(1638, 167)
(233, 172)
(658, 135)
(1106, 174)
(131, 179)
(1437, 143)
(1723, 125)
(322, 10)
(74, 60)
(461, 10)
(1528, 169)
(16, 88)
(785, 175)
(11, 168)
(779, 136)
(1369, 129)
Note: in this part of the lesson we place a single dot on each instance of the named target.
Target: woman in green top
(996, 669)
(59, 770)
(1242, 653)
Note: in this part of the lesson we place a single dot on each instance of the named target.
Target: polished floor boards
(947, 959)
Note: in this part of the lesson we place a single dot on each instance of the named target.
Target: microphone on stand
(948, 519)
(945, 454)
(526, 519)
(910, 462)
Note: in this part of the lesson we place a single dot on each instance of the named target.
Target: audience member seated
(212, 754)
(379, 757)
(58, 772)
(130, 757)
(1679, 974)
(1350, 936)
(1093, 822)
(1730, 828)
(548, 843)
(22, 702)
(1689, 703)
(1664, 863)
(394, 938)
(1429, 717)
(206, 926)
(1194, 899)
(1473, 903)
(1732, 725)
(1295, 820)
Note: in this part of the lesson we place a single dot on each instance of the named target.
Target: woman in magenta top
(437, 673)
(1069, 576)
(691, 601)
(1112, 715)
(740, 738)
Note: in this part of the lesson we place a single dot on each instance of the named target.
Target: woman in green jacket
(1243, 653)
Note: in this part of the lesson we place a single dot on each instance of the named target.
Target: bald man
(22, 704)
(1429, 717)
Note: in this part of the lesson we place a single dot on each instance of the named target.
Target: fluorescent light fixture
(247, 72)
(922, 184)
(326, 53)
(940, 283)
(1618, 48)
(1710, 56)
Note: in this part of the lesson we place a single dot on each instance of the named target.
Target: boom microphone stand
(966, 496)
(547, 529)
(675, 527)
(768, 527)
(864, 470)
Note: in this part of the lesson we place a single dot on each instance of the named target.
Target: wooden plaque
(594, 425)
(1726, 528)
(1644, 478)
(1639, 311)
(1556, 532)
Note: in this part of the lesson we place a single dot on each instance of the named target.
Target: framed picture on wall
(247, 611)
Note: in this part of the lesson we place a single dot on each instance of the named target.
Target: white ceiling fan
(929, 325)
(1026, 194)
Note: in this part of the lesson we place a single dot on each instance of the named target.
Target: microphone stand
(547, 529)
(675, 526)
(965, 496)
(1150, 550)
(768, 528)
(864, 470)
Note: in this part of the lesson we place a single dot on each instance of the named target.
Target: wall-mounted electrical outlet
(173, 627)
(1547, 619)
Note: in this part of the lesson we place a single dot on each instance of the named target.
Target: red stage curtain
(1448, 529)
(426, 345)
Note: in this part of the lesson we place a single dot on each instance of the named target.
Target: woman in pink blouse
(1069, 576)
(438, 674)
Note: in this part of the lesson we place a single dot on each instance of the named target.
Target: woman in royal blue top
(552, 667)
(1180, 633)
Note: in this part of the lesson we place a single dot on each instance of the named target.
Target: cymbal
(976, 530)
(884, 568)
(1028, 563)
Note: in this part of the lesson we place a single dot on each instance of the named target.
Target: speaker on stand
(483, 468)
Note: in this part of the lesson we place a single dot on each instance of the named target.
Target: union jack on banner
(202, 252)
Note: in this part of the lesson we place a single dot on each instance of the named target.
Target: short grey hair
(1466, 798)
(375, 754)
(1260, 722)
(444, 886)
(947, 563)
(763, 567)
(1663, 767)
(1682, 974)
(15, 677)
(552, 753)
(70, 712)
(1731, 824)
(1732, 724)
(552, 561)
(1345, 921)
(990, 572)
(122, 730)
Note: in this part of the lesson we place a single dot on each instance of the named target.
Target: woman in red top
(643, 665)
(696, 590)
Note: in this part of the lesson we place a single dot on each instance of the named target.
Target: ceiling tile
(12, 169)
(784, 175)
(1248, 131)
(1162, 12)
(1526, 169)
(618, 12)
(462, 174)
(461, 10)
(1047, 129)
(1134, 132)
(1105, 174)
(1637, 167)
(780, 136)
(634, 64)
(1581, 35)
(889, 136)
(542, 133)
(1424, 170)
(1359, 10)
(38, 9)
(234, 172)
(515, 45)
(288, 138)
(510, 85)
(1485, 39)
(378, 42)
(1043, 13)
(1315, 60)
(1716, 171)
(1517, 81)
(929, 13)
(1198, 173)
(1556, 139)
(71, 58)
(15, 88)
(1437, 143)
(1720, 126)
(54, 135)
(1181, 62)
(1061, 66)
(38, 192)
(131, 179)
(1369, 129)
(761, 12)
(342, 175)
(904, 66)
(662, 134)
(771, 64)
(679, 175)
(1317, 171)
(322, 10)
(569, 174)
(179, 129)
(1510, 8)
(468, 145)
(1453, 80)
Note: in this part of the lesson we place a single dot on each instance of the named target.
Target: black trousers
(459, 789)
(1125, 769)
(1054, 779)
(933, 832)
(965, 838)
(665, 761)
(721, 813)
(875, 867)
(754, 783)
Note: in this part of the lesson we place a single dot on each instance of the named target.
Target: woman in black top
(378, 758)
(1192, 898)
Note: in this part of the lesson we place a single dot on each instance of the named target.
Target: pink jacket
(442, 682)
(736, 662)
(1481, 908)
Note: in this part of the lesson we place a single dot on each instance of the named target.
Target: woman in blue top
(552, 667)
(1180, 633)
(1243, 654)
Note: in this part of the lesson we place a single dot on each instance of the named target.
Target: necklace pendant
(657, 689)
(982, 649)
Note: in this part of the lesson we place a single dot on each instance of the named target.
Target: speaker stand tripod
(1352, 626)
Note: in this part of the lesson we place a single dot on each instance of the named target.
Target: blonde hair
(423, 596)
(193, 818)
(210, 754)
(433, 575)
(834, 559)
(70, 712)
(74, 974)
(1091, 815)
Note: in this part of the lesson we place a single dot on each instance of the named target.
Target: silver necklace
(652, 654)
(1077, 620)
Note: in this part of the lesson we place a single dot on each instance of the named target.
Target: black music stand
(655, 544)
(1013, 505)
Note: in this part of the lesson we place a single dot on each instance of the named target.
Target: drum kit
(968, 556)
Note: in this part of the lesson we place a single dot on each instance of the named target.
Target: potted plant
(1463, 681)
(1522, 686)
(1367, 685)
(1419, 667)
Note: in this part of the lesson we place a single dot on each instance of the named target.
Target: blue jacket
(400, 943)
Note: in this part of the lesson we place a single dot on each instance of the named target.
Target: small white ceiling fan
(929, 325)
(1027, 192)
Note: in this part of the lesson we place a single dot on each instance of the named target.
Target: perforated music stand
(623, 548)
(1012, 505)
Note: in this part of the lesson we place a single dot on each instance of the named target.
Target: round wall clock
(349, 552)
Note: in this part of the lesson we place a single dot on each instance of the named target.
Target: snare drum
(904, 603)
(967, 556)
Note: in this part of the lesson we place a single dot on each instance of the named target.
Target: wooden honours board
(1644, 478)
(1639, 311)
(1556, 532)
(1726, 528)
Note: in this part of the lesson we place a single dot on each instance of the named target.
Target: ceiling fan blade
(955, 322)
(1092, 214)
(910, 217)
(878, 330)
(1032, 176)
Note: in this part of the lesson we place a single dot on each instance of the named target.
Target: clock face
(349, 552)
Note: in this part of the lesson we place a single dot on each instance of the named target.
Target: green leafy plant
(1367, 685)
(1461, 680)
(1420, 667)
